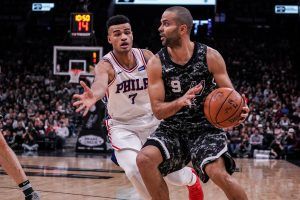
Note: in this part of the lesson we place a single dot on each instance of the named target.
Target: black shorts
(180, 146)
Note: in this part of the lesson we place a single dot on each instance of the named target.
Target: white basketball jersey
(127, 95)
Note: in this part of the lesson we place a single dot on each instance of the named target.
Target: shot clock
(81, 24)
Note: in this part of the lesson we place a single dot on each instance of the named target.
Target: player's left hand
(245, 111)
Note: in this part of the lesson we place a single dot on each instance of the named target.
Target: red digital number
(83, 25)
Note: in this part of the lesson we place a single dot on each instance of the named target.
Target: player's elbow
(157, 110)
(158, 114)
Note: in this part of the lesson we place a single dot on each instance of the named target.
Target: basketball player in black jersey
(180, 75)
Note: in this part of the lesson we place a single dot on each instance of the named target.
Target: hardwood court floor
(97, 178)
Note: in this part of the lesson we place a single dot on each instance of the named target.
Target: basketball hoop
(74, 75)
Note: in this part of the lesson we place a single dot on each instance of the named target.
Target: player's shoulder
(155, 59)
(213, 54)
(147, 54)
(147, 51)
(104, 65)
(104, 62)
(214, 60)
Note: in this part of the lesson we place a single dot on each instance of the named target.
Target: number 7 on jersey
(132, 96)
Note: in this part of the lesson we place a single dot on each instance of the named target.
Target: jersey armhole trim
(143, 57)
(108, 60)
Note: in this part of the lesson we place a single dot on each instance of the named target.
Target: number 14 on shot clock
(81, 24)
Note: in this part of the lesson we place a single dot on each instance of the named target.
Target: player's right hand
(85, 100)
(186, 99)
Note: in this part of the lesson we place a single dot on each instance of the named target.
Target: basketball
(223, 107)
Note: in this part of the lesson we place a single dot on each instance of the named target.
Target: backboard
(67, 58)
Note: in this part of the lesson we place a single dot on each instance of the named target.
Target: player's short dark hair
(184, 16)
(116, 20)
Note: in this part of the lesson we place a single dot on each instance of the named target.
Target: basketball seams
(214, 110)
(211, 96)
(235, 110)
(222, 106)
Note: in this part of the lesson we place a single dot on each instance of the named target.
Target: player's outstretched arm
(162, 109)
(103, 75)
(217, 67)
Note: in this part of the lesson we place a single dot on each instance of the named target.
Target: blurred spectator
(268, 138)
(10, 138)
(284, 121)
(235, 141)
(290, 141)
(277, 150)
(62, 132)
(244, 148)
(30, 143)
(20, 129)
(256, 141)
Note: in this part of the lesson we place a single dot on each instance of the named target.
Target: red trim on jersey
(126, 70)
(107, 93)
(109, 136)
(108, 130)
(143, 57)
(115, 76)
(117, 148)
(107, 126)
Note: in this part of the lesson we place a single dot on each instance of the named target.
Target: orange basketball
(223, 107)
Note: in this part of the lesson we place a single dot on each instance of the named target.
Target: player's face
(169, 29)
(120, 37)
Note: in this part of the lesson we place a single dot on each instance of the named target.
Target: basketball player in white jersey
(121, 76)
(11, 165)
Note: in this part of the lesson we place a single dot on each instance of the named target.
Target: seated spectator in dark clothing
(50, 137)
(244, 148)
(30, 128)
(8, 124)
(10, 138)
(268, 139)
(290, 141)
(16, 133)
(39, 127)
(234, 142)
(277, 150)
(256, 141)
(30, 141)
(19, 131)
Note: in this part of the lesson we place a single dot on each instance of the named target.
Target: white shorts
(131, 135)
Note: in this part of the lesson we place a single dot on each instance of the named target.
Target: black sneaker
(33, 196)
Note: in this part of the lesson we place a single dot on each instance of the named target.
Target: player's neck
(183, 53)
(126, 59)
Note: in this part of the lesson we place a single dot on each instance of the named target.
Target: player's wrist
(180, 103)
(96, 96)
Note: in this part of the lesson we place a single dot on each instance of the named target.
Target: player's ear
(108, 39)
(183, 28)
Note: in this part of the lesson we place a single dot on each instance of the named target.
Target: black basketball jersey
(178, 79)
